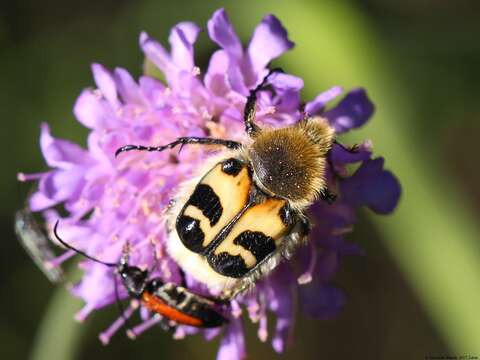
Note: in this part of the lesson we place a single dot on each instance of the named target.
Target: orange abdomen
(153, 303)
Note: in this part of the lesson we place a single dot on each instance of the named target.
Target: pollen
(146, 208)
(137, 111)
(196, 71)
(270, 110)
(97, 93)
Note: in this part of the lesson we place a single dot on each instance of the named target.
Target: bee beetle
(232, 224)
(173, 302)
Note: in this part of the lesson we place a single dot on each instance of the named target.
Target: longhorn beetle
(171, 301)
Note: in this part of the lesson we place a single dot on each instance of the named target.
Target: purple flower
(111, 200)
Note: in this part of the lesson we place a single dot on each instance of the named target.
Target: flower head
(109, 201)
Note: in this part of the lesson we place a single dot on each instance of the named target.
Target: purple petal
(38, 201)
(157, 54)
(341, 156)
(269, 41)
(92, 111)
(232, 346)
(236, 79)
(210, 334)
(320, 300)
(283, 82)
(328, 263)
(61, 153)
(215, 77)
(57, 186)
(287, 88)
(182, 37)
(372, 186)
(127, 87)
(96, 277)
(281, 303)
(106, 84)
(352, 112)
(317, 105)
(60, 185)
(221, 31)
(153, 90)
(328, 218)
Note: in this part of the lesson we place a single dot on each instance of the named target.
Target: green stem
(58, 336)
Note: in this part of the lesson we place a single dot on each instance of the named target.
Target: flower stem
(58, 335)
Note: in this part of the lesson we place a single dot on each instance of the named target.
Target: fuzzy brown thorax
(290, 162)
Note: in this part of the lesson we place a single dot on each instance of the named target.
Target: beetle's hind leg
(181, 141)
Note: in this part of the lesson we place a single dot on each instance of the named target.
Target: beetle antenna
(230, 144)
(55, 232)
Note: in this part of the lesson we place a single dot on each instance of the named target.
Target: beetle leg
(250, 107)
(351, 149)
(328, 196)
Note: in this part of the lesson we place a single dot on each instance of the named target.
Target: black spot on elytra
(205, 199)
(228, 265)
(232, 166)
(234, 266)
(257, 243)
(190, 233)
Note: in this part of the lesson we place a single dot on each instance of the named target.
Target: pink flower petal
(232, 345)
(317, 105)
(127, 88)
(215, 77)
(62, 185)
(92, 111)
(269, 41)
(153, 90)
(38, 201)
(157, 54)
(221, 31)
(61, 153)
(182, 37)
(372, 186)
(352, 111)
(106, 84)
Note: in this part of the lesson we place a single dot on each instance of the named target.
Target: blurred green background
(415, 294)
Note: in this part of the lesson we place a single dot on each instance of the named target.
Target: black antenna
(180, 141)
(78, 251)
(115, 285)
